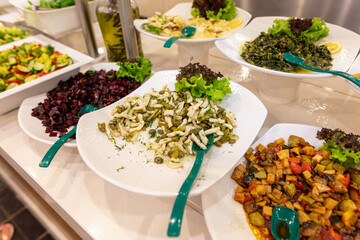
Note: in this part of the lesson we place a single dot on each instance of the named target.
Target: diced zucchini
(260, 175)
(307, 200)
(256, 219)
(290, 189)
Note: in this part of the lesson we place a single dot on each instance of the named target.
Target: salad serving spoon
(180, 201)
(293, 59)
(285, 223)
(45, 162)
(186, 32)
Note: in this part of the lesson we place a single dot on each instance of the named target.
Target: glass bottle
(109, 20)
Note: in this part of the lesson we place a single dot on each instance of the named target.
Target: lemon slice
(235, 23)
(334, 47)
(357, 75)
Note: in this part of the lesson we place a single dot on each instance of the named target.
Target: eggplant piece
(250, 206)
(270, 155)
(338, 187)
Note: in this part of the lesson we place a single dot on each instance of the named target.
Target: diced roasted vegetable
(256, 219)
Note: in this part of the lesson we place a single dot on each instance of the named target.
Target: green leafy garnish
(152, 29)
(317, 30)
(138, 69)
(344, 148)
(227, 13)
(199, 87)
(346, 157)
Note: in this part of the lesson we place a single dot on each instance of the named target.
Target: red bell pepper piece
(333, 234)
(346, 180)
(306, 166)
(251, 187)
(28, 75)
(18, 71)
(295, 168)
(248, 199)
(297, 184)
(40, 74)
(14, 81)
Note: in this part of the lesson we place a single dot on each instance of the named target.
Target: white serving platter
(342, 61)
(224, 216)
(132, 167)
(12, 98)
(184, 10)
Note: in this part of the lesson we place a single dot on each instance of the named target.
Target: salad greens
(344, 148)
(138, 68)
(317, 30)
(201, 81)
(211, 10)
(11, 34)
(54, 3)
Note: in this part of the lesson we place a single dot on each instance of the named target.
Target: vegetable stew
(296, 175)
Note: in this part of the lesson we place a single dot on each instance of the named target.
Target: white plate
(55, 22)
(349, 40)
(12, 98)
(224, 216)
(33, 127)
(355, 68)
(133, 168)
(184, 10)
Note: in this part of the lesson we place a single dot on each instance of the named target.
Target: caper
(160, 131)
(152, 131)
(218, 144)
(181, 154)
(158, 160)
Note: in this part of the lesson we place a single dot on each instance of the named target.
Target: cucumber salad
(27, 62)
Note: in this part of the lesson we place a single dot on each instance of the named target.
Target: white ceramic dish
(224, 216)
(133, 168)
(33, 127)
(55, 22)
(184, 10)
(12, 98)
(355, 68)
(342, 60)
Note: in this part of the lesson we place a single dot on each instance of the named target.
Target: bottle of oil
(109, 20)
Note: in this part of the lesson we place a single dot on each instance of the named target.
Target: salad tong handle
(45, 162)
(180, 202)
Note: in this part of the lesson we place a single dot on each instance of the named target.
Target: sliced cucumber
(23, 69)
(38, 66)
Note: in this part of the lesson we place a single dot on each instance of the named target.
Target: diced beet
(59, 110)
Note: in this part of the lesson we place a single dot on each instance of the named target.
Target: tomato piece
(295, 168)
(306, 166)
(277, 149)
(251, 187)
(333, 234)
(346, 180)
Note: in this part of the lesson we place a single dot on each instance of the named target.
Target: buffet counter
(96, 209)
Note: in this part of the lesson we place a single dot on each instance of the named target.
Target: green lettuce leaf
(215, 91)
(347, 158)
(280, 27)
(227, 13)
(136, 70)
(317, 30)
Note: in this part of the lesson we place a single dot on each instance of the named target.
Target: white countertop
(97, 209)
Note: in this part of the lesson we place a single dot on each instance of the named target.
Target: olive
(232, 141)
(152, 131)
(160, 131)
(158, 160)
